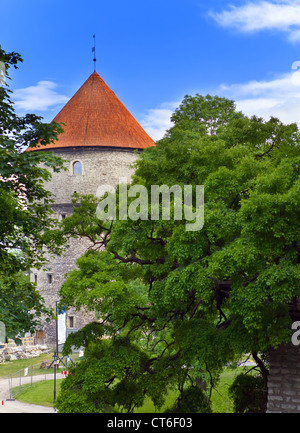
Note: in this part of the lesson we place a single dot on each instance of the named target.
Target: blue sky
(152, 53)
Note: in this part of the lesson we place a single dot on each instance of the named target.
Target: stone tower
(99, 142)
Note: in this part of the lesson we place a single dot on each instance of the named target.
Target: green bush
(191, 400)
(248, 394)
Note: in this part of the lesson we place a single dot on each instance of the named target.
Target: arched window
(77, 167)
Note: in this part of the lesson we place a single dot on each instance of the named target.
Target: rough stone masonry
(284, 380)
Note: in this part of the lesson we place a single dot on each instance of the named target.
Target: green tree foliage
(25, 205)
(187, 302)
(21, 305)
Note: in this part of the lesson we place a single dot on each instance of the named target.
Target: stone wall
(99, 166)
(57, 268)
(284, 380)
(22, 352)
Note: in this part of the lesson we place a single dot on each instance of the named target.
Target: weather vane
(94, 51)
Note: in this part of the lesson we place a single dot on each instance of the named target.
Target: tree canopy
(175, 306)
(25, 205)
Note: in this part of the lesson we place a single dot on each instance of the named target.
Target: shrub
(191, 400)
(248, 394)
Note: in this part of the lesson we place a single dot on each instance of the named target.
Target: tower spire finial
(94, 51)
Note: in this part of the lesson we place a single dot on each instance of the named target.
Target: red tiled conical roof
(94, 116)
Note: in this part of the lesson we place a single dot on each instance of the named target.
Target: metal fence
(22, 378)
(13, 384)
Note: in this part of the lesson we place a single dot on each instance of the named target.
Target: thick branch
(265, 153)
(134, 259)
(263, 369)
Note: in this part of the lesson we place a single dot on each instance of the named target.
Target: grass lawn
(219, 397)
(11, 367)
(42, 393)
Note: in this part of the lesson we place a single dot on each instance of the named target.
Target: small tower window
(49, 276)
(71, 321)
(77, 167)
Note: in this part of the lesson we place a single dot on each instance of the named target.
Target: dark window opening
(71, 321)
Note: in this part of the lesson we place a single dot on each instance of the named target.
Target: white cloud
(279, 97)
(38, 98)
(157, 121)
(282, 15)
(43, 96)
